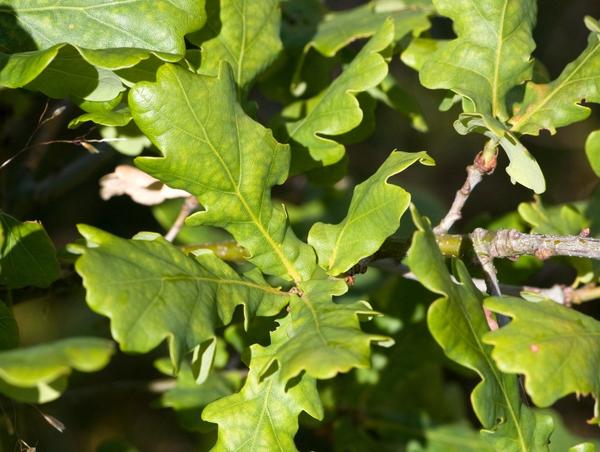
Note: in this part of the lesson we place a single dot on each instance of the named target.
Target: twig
(189, 205)
(559, 293)
(512, 243)
(484, 163)
(41, 122)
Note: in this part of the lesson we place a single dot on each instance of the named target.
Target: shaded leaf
(248, 38)
(9, 330)
(38, 374)
(336, 110)
(322, 337)
(490, 56)
(457, 323)
(394, 96)
(374, 214)
(152, 291)
(452, 438)
(216, 152)
(70, 75)
(592, 150)
(188, 398)
(557, 104)
(27, 255)
(264, 414)
(546, 338)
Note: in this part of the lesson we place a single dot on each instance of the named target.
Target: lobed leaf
(264, 414)
(38, 374)
(547, 339)
(336, 110)
(338, 29)
(557, 104)
(248, 38)
(374, 214)
(152, 291)
(110, 35)
(489, 57)
(322, 337)
(215, 151)
(458, 324)
(27, 255)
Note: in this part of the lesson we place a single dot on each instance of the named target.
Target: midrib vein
(500, 42)
(291, 270)
(523, 119)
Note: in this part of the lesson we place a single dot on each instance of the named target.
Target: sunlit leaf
(374, 214)
(111, 35)
(230, 162)
(264, 414)
(458, 324)
(546, 338)
(490, 56)
(152, 291)
(338, 29)
(557, 104)
(335, 111)
(320, 336)
(38, 374)
(248, 37)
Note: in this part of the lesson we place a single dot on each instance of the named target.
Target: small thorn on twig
(585, 232)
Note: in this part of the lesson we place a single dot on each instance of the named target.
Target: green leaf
(188, 398)
(374, 214)
(127, 140)
(38, 374)
(420, 50)
(559, 220)
(9, 330)
(457, 323)
(336, 110)
(70, 75)
(120, 32)
(248, 38)
(592, 150)
(219, 154)
(562, 439)
(490, 56)
(27, 255)
(338, 29)
(264, 414)
(152, 291)
(394, 96)
(557, 104)
(320, 336)
(543, 339)
(452, 438)
(523, 167)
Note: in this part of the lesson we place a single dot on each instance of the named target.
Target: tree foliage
(276, 319)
